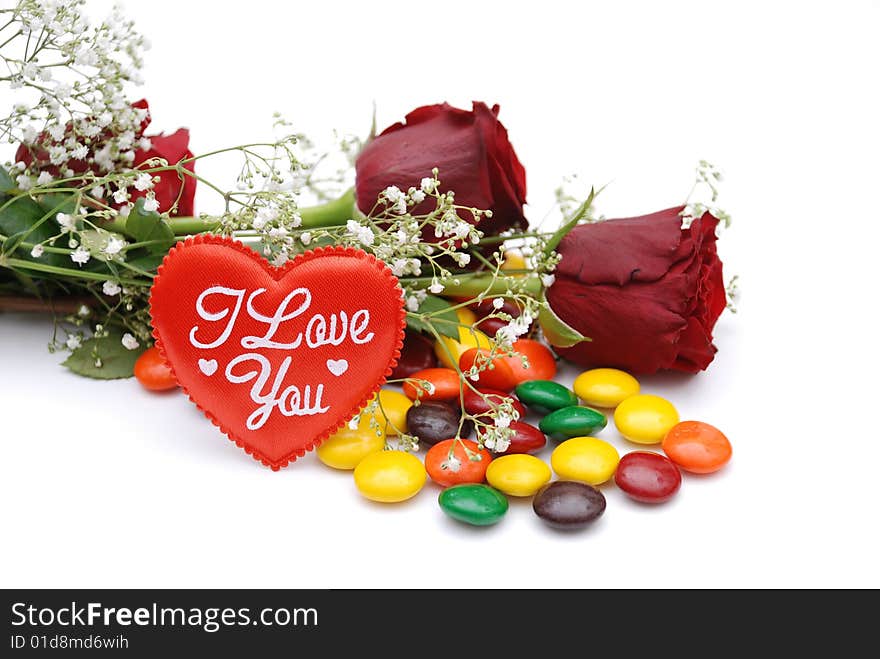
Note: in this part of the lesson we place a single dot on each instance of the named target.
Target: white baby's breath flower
(417, 196)
(98, 192)
(120, 196)
(305, 237)
(452, 464)
(111, 288)
(498, 302)
(412, 303)
(37, 251)
(436, 287)
(73, 342)
(80, 255)
(129, 342)
(79, 152)
(428, 185)
(24, 181)
(114, 246)
(150, 204)
(66, 222)
(548, 280)
(83, 311)
(143, 182)
(45, 178)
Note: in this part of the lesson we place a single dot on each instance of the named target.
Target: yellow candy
(645, 419)
(348, 447)
(605, 387)
(514, 260)
(585, 459)
(391, 412)
(390, 476)
(449, 351)
(519, 475)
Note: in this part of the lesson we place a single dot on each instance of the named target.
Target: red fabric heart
(278, 358)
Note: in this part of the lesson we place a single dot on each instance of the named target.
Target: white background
(106, 485)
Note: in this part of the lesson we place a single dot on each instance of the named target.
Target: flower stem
(473, 285)
(333, 213)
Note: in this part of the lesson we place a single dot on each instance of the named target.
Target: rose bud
(173, 148)
(645, 290)
(471, 151)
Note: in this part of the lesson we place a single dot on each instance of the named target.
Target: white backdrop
(106, 485)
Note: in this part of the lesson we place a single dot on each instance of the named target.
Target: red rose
(173, 148)
(471, 150)
(645, 290)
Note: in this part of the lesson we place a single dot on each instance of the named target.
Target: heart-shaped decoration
(278, 358)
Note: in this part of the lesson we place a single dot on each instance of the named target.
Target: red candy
(417, 354)
(461, 469)
(542, 365)
(697, 447)
(152, 371)
(475, 404)
(525, 439)
(499, 376)
(445, 382)
(647, 477)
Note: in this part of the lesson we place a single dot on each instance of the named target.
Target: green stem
(472, 285)
(333, 213)
(68, 272)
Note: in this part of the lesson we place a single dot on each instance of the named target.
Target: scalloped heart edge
(278, 273)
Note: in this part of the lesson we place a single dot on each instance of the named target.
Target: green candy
(479, 505)
(543, 396)
(573, 421)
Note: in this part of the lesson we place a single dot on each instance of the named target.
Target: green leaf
(148, 226)
(116, 360)
(7, 185)
(148, 262)
(559, 333)
(26, 220)
(443, 318)
(570, 223)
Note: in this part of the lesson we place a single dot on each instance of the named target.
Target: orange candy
(542, 365)
(152, 371)
(460, 469)
(499, 376)
(697, 447)
(445, 383)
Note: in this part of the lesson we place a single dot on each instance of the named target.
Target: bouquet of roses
(92, 203)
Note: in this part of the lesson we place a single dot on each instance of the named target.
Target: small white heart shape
(208, 366)
(337, 366)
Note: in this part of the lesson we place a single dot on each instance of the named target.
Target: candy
(434, 421)
(605, 387)
(390, 476)
(348, 446)
(479, 505)
(568, 505)
(467, 463)
(417, 355)
(449, 351)
(572, 421)
(476, 404)
(497, 375)
(392, 411)
(525, 438)
(443, 384)
(518, 475)
(544, 396)
(152, 372)
(542, 364)
(697, 447)
(647, 477)
(645, 419)
(585, 459)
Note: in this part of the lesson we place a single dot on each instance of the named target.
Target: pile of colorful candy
(477, 481)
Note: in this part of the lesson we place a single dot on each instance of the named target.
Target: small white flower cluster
(515, 328)
(83, 115)
(361, 233)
